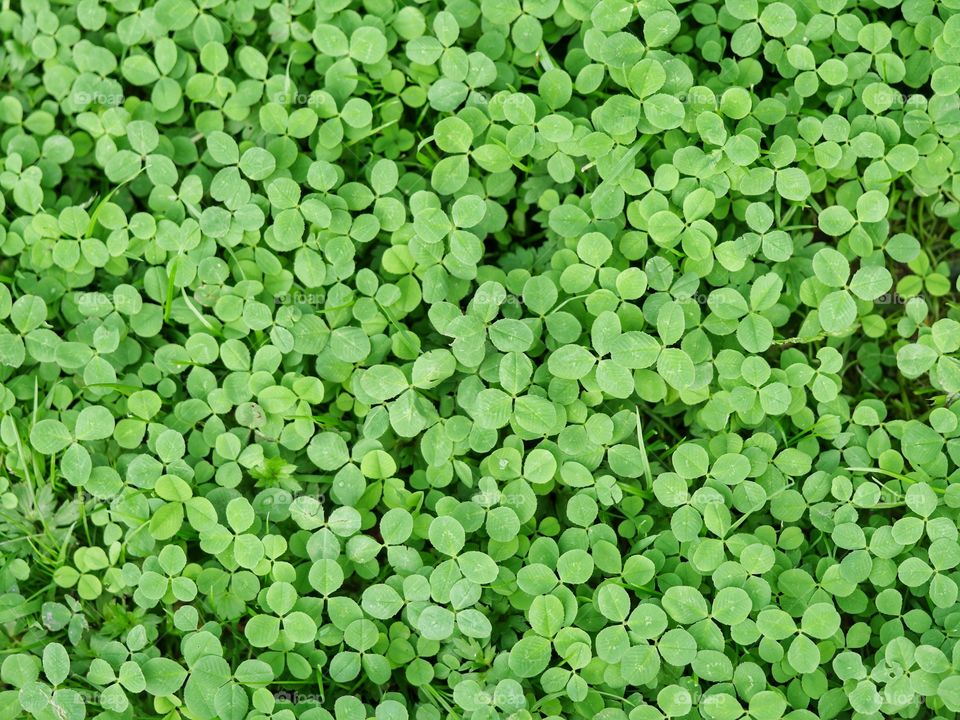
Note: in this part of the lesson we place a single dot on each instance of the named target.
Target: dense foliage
(479, 359)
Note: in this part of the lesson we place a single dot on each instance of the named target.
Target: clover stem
(543, 57)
